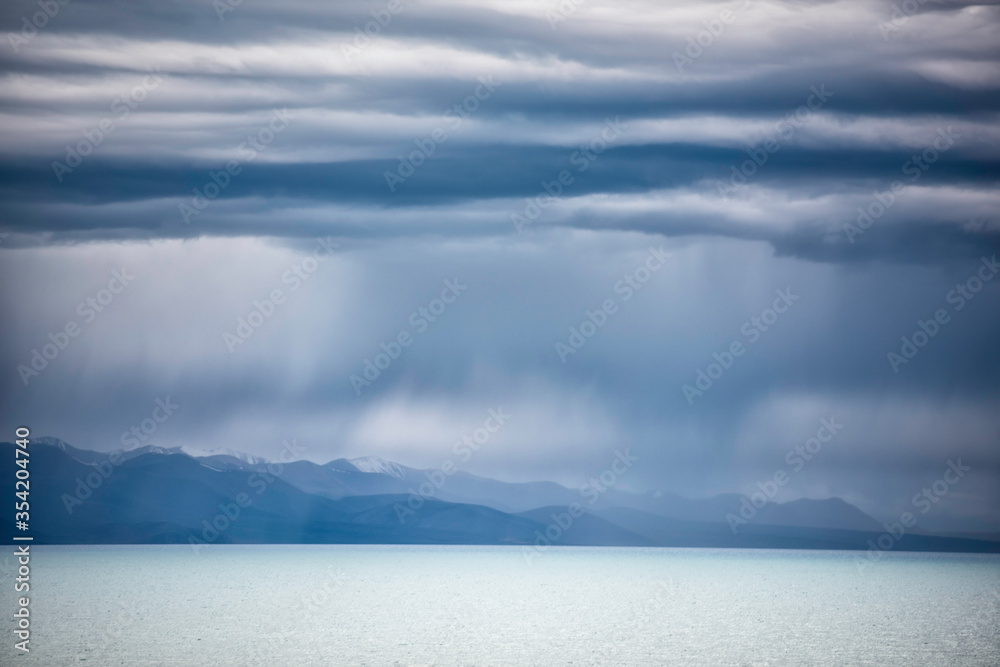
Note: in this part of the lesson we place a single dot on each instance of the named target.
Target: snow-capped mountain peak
(233, 453)
(378, 465)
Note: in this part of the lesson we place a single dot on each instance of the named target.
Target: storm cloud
(355, 157)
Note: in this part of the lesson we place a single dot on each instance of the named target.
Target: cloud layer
(533, 152)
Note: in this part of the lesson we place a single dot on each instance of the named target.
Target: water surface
(427, 605)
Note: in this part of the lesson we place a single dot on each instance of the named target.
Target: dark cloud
(658, 183)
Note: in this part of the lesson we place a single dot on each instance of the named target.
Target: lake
(430, 605)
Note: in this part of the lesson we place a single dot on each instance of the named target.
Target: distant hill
(156, 495)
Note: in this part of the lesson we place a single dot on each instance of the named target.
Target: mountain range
(157, 495)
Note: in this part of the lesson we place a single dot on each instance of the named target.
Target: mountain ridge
(154, 495)
(338, 478)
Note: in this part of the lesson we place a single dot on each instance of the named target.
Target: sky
(704, 232)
